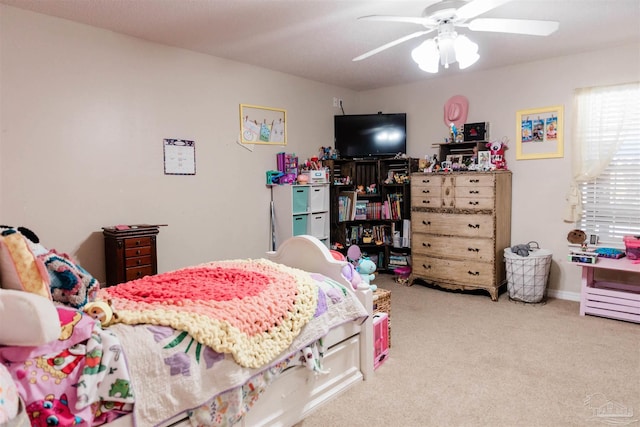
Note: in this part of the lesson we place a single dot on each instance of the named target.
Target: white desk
(611, 299)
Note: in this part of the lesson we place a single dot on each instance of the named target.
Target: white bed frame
(298, 391)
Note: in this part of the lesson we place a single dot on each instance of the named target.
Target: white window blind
(609, 120)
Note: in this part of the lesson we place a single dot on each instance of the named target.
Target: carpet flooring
(460, 359)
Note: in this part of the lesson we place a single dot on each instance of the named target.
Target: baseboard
(570, 296)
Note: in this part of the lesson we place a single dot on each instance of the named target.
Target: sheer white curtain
(604, 119)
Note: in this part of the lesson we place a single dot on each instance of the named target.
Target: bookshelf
(371, 207)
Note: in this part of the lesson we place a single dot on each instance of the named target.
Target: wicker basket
(382, 304)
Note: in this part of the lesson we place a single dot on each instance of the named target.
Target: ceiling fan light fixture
(427, 56)
(466, 52)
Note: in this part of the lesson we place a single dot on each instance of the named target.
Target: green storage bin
(300, 199)
(300, 224)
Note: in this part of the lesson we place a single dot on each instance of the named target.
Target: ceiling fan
(449, 46)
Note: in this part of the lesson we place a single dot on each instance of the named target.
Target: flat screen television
(370, 135)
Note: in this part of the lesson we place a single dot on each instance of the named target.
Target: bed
(255, 382)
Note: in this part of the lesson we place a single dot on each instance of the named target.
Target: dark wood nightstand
(130, 253)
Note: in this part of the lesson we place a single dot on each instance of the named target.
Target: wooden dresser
(460, 225)
(130, 254)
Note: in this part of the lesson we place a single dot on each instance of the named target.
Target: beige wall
(83, 112)
(539, 186)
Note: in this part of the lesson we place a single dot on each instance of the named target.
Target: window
(607, 143)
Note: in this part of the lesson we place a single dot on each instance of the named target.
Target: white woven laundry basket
(527, 276)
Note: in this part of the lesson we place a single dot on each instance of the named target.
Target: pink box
(632, 243)
(380, 339)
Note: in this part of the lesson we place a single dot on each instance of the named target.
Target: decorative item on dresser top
(461, 223)
(130, 252)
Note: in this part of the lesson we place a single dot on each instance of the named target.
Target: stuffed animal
(350, 273)
(366, 267)
(497, 154)
(102, 311)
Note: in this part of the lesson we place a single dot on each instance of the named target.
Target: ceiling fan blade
(391, 44)
(515, 26)
(390, 18)
(478, 7)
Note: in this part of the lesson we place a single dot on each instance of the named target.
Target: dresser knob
(473, 203)
(426, 202)
(473, 273)
(426, 191)
(138, 242)
(426, 245)
(474, 192)
(473, 226)
(426, 222)
(473, 249)
(138, 252)
(139, 262)
(474, 180)
(426, 181)
(427, 267)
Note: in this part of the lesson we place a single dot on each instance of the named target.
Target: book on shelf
(347, 205)
(395, 201)
(362, 210)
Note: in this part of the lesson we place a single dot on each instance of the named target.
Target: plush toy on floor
(366, 267)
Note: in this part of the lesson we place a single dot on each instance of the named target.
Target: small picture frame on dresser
(484, 158)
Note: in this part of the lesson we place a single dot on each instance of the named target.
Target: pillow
(34, 319)
(9, 398)
(70, 284)
(20, 269)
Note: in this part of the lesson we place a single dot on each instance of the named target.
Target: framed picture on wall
(539, 133)
(263, 125)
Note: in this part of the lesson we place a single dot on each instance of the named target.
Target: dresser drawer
(137, 241)
(475, 192)
(429, 181)
(138, 261)
(465, 248)
(474, 203)
(475, 180)
(138, 272)
(463, 225)
(475, 273)
(136, 252)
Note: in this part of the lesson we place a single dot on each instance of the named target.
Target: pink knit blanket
(252, 309)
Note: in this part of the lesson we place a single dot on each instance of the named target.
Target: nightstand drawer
(137, 241)
(135, 252)
(138, 272)
(138, 261)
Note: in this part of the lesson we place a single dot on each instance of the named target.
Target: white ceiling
(317, 39)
